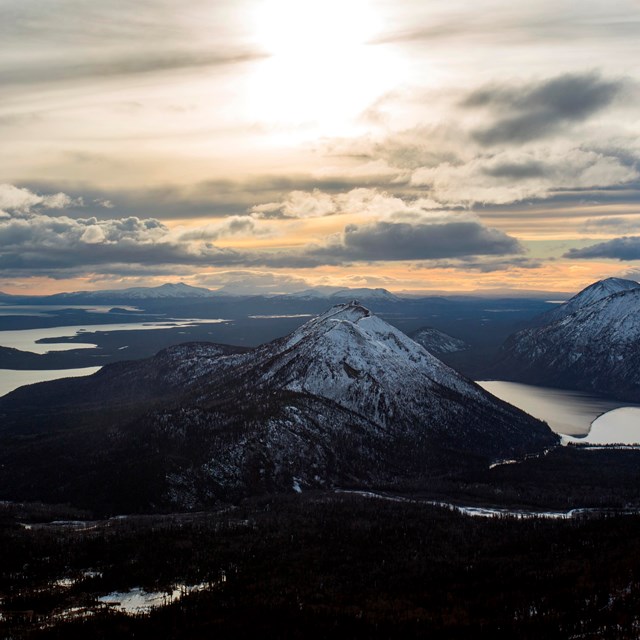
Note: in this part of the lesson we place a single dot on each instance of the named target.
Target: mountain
(378, 295)
(438, 342)
(336, 294)
(345, 400)
(167, 290)
(596, 349)
(593, 293)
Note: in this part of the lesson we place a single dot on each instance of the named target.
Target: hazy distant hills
(177, 290)
(181, 290)
(345, 400)
(592, 343)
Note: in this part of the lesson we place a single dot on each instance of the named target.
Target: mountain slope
(597, 349)
(344, 399)
(438, 342)
(593, 293)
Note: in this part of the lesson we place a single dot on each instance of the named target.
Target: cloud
(362, 201)
(613, 224)
(14, 200)
(234, 226)
(625, 248)
(299, 204)
(217, 198)
(485, 265)
(36, 236)
(74, 41)
(543, 23)
(447, 158)
(532, 112)
(516, 175)
(417, 241)
(252, 282)
(52, 71)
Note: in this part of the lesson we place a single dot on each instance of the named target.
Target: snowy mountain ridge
(362, 363)
(593, 293)
(597, 348)
(345, 399)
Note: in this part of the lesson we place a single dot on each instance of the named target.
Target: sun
(321, 69)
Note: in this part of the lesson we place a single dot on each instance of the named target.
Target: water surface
(620, 426)
(566, 412)
(29, 339)
(10, 379)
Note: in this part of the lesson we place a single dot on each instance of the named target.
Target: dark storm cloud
(30, 255)
(531, 112)
(406, 241)
(37, 243)
(625, 248)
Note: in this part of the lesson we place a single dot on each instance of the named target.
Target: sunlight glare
(321, 71)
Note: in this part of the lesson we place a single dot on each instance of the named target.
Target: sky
(275, 145)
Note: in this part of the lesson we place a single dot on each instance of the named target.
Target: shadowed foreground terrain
(317, 566)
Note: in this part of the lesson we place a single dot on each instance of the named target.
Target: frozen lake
(573, 413)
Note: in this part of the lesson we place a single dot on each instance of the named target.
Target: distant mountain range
(344, 400)
(592, 343)
(168, 290)
(181, 290)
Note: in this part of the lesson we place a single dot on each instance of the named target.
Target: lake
(11, 379)
(29, 339)
(49, 309)
(572, 413)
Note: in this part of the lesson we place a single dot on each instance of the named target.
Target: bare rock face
(344, 399)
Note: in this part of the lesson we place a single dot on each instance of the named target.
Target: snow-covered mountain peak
(360, 362)
(349, 328)
(588, 296)
(604, 288)
(595, 349)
